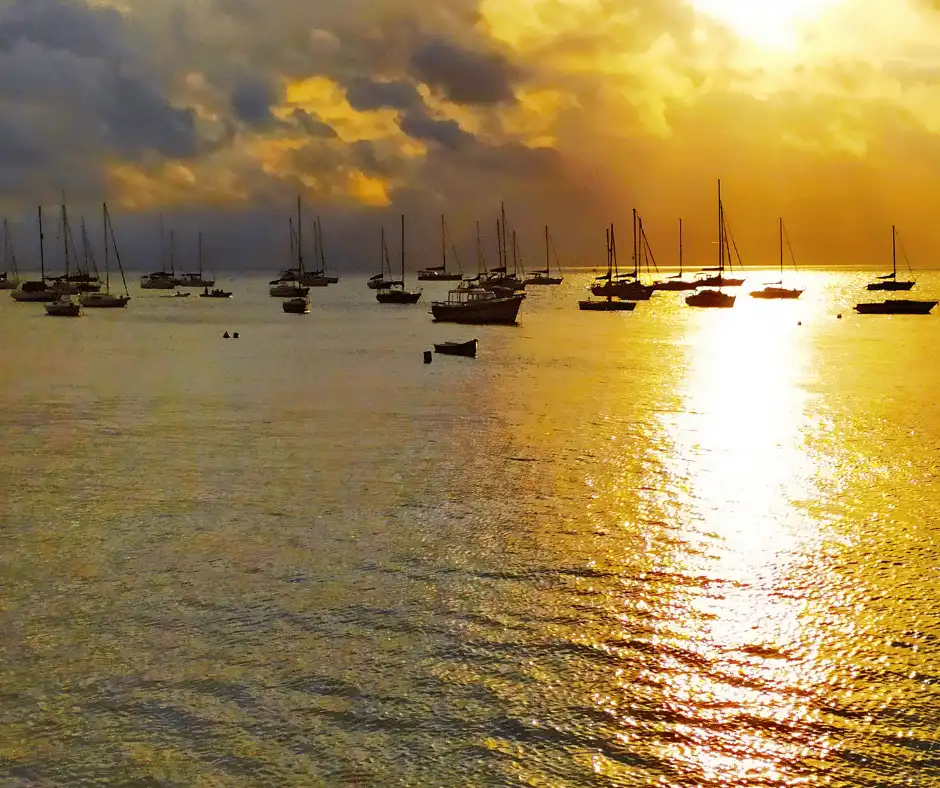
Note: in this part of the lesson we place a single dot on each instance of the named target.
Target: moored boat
(107, 299)
(897, 306)
(296, 306)
(478, 306)
(716, 299)
(467, 349)
(63, 307)
(890, 281)
(397, 294)
(776, 290)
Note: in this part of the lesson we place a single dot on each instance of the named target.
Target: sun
(769, 24)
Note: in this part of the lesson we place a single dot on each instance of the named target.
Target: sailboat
(398, 294)
(676, 282)
(715, 298)
(161, 280)
(288, 288)
(499, 277)
(626, 286)
(296, 294)
(544, 276)
(65, 306)
(197, 279)
(332, 280)
(890, 281)
(9, 278)
(216, 292)
(315, 278)
(37, 290)
(107, 299)
(439, 273)
(895, 306)
(776, 289)
(608, 304)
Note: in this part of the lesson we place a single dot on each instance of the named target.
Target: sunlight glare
(770, 25)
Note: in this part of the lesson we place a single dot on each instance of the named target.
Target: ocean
(671, 547)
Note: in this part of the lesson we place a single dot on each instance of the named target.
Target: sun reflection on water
(738, 449)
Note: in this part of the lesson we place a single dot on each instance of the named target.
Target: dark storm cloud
(464, 76)
(444, 132)
(365, 95)
(75, 88)
(252, 99)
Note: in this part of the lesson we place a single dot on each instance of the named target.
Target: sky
(216, 114)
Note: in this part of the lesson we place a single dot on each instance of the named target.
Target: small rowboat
(467, 349)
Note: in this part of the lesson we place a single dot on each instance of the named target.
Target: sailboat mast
(481, 260)
(42, 261)
(781, 250)
(443, 245)
(721, 237)
(636, 247)
(613, 249)
(104, 229)
(65, 237)
(300, 242)
(502, 212)
(199, 251)
(546, 250)
(894, 253)
(172, 252)
(403, 251)
(84, 244)
(320, 242)
(514, 251)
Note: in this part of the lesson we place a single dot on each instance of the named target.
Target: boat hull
(103, 301)
(466, 349)
(713, 299)
(63, 309)
(896, 307)
(288, 291)
(628, 291)
(491, 311)
(607, 306)
(675, 286)
(381, 284)
(544, 280)
(397, 297)
(777, 293)
(890, 285)
(718, 281)
(216, 294)
(296, 306)
(35, 296)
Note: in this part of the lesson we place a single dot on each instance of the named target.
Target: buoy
(235, 335)
(798, 322)
(838, 317)
(427, 356)
(225, 335)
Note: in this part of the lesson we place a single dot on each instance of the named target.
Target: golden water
(671, 548)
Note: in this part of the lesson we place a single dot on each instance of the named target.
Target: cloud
(464, 76)
(366, 94)
(571, 111)
(253, 99)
